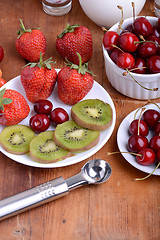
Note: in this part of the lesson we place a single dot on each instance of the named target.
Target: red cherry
(137, 143)
(140, 65)
(151, 117)
(158, 23)
(156, 40)
(141, 26)
(127, 42)
(59, 115)
(43, 106)
(2, 82)
(110, 38)
(143, 128)
(155, 143)
(1, 53)
(39, 122)
(156, 31)
(157, 129)
(125, 60)
(147, 49)
(114, 55)
(148, 157)
(158, 156)
(154, 64)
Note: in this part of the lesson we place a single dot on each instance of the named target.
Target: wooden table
(119, 209)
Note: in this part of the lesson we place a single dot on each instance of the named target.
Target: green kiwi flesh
(16, 138)
(74, 138)
(44, 150)
(93, 114)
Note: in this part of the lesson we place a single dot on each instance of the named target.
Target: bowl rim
(105, 52)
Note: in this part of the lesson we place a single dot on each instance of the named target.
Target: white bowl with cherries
(132, 57)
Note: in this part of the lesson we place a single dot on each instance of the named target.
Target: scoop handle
(33, 197)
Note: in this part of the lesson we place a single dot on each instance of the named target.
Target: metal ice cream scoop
(93, 172)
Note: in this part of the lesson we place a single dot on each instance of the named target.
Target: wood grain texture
(119, 209)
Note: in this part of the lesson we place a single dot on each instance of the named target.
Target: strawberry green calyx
(4, 101)
(41, 63)
(23, 29)
(82, 69)
(69, 28)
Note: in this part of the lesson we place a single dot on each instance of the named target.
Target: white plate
(123, 135)
(97, 91)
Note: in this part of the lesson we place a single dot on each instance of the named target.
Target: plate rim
(63, 163)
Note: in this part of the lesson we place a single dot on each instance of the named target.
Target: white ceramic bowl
(125, 84)
(105, 12)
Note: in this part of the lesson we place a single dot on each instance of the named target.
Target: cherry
(137, 143)
(110, 38)
(155, 39)
(158, 155)
(1, 53)
(151, 117)
(127, 42)
(147, 49)
(147, 157)
(157, 129)
(154, 64)
(140, 66)
(114, 55)
(158, 23)
(125, 60)
(141, 26)
(2, 82)
(143, 128)
(59, 115)
(156, 31)
(43, 106)
(39, 122)
(155, 143)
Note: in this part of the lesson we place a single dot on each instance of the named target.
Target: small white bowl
(125, 84)
(106, 13)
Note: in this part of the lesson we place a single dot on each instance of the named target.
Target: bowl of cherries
(132, 57)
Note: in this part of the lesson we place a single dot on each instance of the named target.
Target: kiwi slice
(16, 138)
(74, 138)
(93, 114)
(44, 150)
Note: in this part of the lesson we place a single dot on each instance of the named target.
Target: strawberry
(38, 80)
(75, 39)
(30, 43)
(13, 107)
(74, 82)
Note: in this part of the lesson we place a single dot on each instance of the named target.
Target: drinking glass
(56, 7)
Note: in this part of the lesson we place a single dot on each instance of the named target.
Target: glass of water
(57, 7)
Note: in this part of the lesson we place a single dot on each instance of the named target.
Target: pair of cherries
(41, 121)
(129, 51)
(147, 151)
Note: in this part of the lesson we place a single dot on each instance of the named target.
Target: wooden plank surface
(119, 209)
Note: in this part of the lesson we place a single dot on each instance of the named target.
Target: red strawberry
(75, 39)
(14, 107)
(38, 80)
(74, 83)
(30, 43)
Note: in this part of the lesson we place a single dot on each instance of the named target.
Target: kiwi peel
(16, 138)
(44, 150)
(74, 138)
(93, 114)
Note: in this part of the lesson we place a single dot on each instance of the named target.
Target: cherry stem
(135, 154)
(138, 179)
(133, 6)
(150, 89)
(133, 69)
(104, 29)
(146, 41)
(117, 48)
(121, 21)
